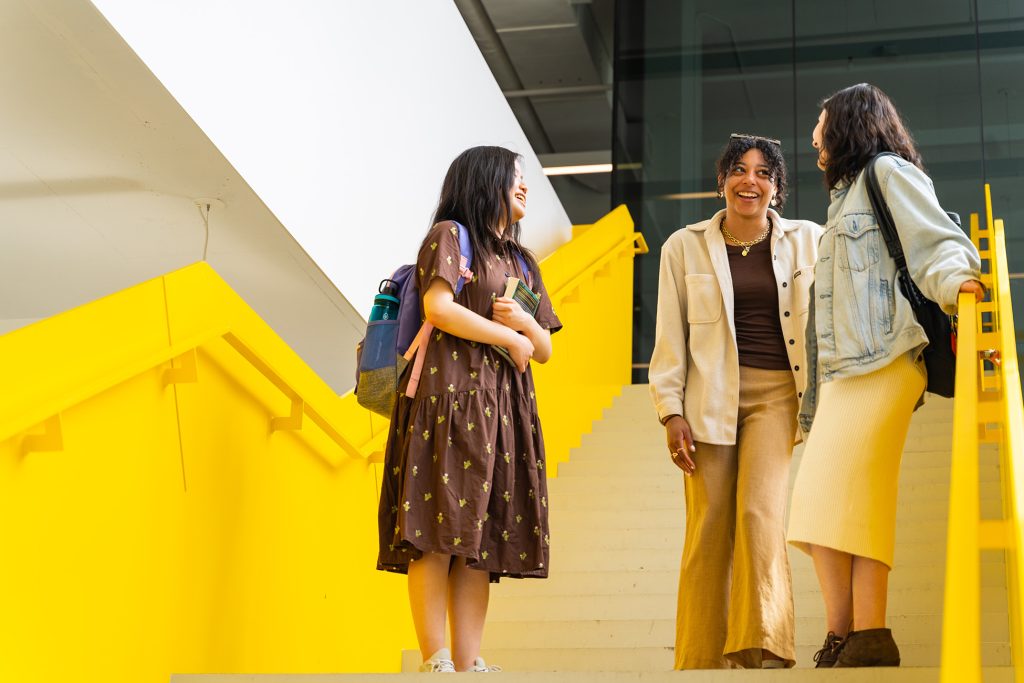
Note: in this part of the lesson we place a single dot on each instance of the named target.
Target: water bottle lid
(388, 286)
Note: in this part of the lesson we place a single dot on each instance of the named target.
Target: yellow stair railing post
(987, 409)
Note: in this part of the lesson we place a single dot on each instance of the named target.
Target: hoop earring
(721, 194)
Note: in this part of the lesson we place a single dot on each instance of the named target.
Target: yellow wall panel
(92, 542)
(154, 521)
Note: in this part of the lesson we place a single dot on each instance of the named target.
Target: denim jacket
(859, 320)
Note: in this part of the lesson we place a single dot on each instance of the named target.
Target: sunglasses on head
(747, 136)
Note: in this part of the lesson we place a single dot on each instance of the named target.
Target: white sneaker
(480, 666)
(439, 663)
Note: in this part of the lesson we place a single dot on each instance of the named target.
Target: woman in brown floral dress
(464, 497)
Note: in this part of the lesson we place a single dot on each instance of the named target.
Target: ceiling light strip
(578, 170)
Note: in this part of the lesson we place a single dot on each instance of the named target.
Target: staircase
(607, 612)
(617, 521)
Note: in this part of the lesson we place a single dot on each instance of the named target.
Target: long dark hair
(860, 122)
(771, 150)
(475, 193)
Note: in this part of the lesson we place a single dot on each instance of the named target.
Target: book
(520, 292)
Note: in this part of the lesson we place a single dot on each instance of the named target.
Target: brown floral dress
(464, 464)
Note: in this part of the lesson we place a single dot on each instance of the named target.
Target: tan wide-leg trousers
(735, 589)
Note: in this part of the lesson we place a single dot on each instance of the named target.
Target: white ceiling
(99, 172)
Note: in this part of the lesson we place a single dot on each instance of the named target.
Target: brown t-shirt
(756, 308)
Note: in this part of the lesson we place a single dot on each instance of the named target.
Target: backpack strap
(888, 228)
(418, 347)
(525, 268)
(465, 257)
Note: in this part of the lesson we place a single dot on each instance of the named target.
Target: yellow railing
(591, 289)
(987, 409)
(180, 492)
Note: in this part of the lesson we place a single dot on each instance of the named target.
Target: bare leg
(428, 596)
(468, 594)
(870, 586)
(835, 570)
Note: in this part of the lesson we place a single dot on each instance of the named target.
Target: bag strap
(889, 233)
(524, 267)
(418, 347)
(465, 257)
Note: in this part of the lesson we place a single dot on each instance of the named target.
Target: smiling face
(517, 195)
(748, 186)
(816, 137)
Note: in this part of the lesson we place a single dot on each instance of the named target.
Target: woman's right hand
(680, 443)
(521, 350)
(973, 287)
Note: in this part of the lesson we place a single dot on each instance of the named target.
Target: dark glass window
(689, 72)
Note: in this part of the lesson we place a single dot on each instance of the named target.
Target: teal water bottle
(385, 304)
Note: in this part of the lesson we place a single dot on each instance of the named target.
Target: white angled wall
(342, 115)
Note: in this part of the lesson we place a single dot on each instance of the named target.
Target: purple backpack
(389, 345)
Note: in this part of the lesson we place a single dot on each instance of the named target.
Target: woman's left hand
(510, 314)
(974, 287)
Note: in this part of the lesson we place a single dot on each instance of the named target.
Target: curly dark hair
(860, 122)
(739, 145)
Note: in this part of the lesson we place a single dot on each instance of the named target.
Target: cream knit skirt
(845, 492)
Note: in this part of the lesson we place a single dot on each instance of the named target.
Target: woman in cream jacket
(727, 374)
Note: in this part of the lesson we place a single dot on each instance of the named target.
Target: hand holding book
(515, 310)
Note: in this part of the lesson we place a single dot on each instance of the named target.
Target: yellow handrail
(349, 426)
(962, 655)
(987, 409)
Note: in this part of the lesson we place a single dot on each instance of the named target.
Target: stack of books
(520, 292)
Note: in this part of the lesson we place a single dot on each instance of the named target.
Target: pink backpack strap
(418, 348)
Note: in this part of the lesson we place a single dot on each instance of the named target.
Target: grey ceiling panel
(579, 124)
(506, 14)
(550, 57)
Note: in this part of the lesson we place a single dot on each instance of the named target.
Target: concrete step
(651, 659)
(571, 535)
(908, 507)
(630, 439)
(923, 629)
(607, 584)
(637, 488)
(583, 494)
(642, 662)
(660, 603)
(905, 674)
(916, 557)
(597, 520)
(660, 467)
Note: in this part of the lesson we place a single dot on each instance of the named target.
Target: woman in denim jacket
(864, 360)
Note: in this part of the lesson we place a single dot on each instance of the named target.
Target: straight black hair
(475, 193)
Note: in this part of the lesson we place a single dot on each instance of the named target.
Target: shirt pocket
(803, 277)
(858, 242)
(703, 299)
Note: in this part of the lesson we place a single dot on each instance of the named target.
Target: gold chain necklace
(748, 244)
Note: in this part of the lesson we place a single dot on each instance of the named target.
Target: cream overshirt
(694, 369)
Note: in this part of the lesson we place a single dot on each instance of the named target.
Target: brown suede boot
(826, 657)
(871, 647)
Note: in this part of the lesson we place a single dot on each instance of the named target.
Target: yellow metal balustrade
(987, 409)
(179, 492)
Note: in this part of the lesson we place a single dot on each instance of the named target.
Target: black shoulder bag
(940, 354)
